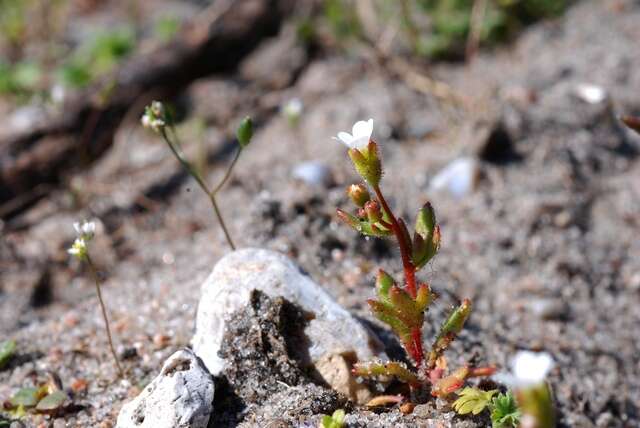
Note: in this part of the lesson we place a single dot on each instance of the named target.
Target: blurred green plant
(451, 22)
(336, 420)
(504, 411)
(166, 27)
(473, 400)
(13, 22)
(7, 350)
(47, 398)
(97, 56)
(439, 28)
(503, 407)
(20, 79)
(342, 18)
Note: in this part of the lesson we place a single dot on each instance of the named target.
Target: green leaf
(52, 402)
(26, 397)
(473, 400)
(7, 349)
(504, 411)
(334, 421)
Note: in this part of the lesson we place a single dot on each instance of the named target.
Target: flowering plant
(80, 249)
(157, 118)
(402, 306)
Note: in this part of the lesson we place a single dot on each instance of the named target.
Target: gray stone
(180, 396)
(313, 173)
(459, 178)
(331, 331)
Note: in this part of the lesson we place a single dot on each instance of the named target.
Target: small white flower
(153, 117)
(78, 249)
(293, 108)
(85, 230)
(359, 137)
(527, 369)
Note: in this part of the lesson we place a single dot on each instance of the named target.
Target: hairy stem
(96, 279)
(409, 269)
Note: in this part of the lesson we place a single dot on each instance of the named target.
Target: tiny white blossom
(79, 248)
(153, 117)
(293, 108)
(527, 369)
(85, 230)
(359, 137)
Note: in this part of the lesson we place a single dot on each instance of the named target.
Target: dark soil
(546, 246)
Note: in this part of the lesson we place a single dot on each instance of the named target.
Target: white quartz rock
(332, 331)
(180, 396)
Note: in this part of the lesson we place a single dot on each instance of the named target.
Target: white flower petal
(76, 226)
(531, 367)
(345, 137)
(359, 143)
(362, 129)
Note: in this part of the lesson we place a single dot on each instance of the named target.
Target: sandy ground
(545, 246)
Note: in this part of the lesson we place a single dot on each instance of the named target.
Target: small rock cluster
(273, 341)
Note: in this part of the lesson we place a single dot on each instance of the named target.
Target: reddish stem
(409, 269)
(417, 343)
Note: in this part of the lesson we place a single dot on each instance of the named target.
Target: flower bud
(372, 208)
(244, 133)
(358, 194)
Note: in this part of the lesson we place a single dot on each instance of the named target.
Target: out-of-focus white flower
(359, 137)
(527, 369)
(78, 249)
(293, 109)
(154, 116)
(85, 230)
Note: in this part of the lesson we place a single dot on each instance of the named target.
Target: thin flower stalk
(80, 250)
(157, 119)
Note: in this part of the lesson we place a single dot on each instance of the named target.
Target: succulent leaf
(426, 239)
(391, 368)
(406, 307)
(449, 330)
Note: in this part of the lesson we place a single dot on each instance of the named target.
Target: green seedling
(402, 305)
(157, 118)
(473, 400)
(502, 407)
(7, 350)
(45, 399)
(96, 57)
(504, 411)
(336, 420)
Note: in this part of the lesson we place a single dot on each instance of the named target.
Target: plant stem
(409, 269)
(212, 197)
(228, 173)
(96, 279)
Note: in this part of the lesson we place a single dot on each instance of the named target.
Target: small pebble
(313, 173)
(458, 178)
(590, 94)
(548, 309)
